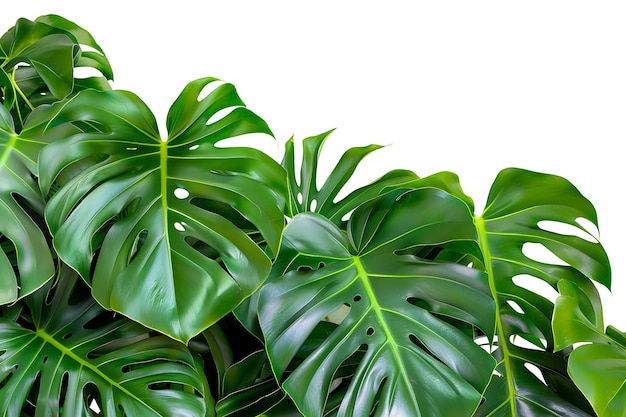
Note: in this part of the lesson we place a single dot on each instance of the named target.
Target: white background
(468, 87)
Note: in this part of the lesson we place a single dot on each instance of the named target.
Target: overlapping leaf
(26, 262)
(37, 61)
(163, 229)
(597, 368)
(304, 194)
(519, 200)
(402, 315)
(76, 359)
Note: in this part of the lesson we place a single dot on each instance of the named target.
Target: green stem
(502, 340)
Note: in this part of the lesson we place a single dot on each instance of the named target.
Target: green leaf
(76, 353)
(164, 231)
(402, 309)
(599, 368)
(304, 194)
(250, 389)
(25, 259)
(600, 372)
(519, 200)
(38, 58)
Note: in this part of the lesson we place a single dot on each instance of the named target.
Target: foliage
(179, 275)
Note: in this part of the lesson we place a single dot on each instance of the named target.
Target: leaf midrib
(374, 306)
(83, 363)
(502, 342)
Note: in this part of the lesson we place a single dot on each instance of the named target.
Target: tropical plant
(143, 275)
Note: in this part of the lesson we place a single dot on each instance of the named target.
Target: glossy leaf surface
(37, 62)
(76, 356)
(599, 368)
(304, 193)
(396, 301)
(26, 262)
(519, 200)
(165, 231)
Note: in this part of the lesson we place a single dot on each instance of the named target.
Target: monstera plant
(150, 274)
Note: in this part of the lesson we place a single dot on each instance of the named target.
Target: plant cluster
(149, 276)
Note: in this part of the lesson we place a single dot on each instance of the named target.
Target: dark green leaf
(38, 60)
(25, 259)
(395, 302)
(519, 200)
(304, 194)
(161, 229)
(76, 353)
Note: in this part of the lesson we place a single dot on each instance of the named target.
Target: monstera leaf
(304, 194)
(37, 61)
(598, 368)
(403, 316)
(25, 259)
(518, 202)
(165, 231)
(71, 358)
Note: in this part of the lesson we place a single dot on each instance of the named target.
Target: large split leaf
(25, 259)
(306, 196)
(164, 231)
(518, 202)
(37, 62)
(69, 357)
(402, 314)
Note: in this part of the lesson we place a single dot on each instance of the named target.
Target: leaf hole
(181, 193)
(516, 307)
(419, 302)
(313, 205)
(414, 339)
(66, 336)
(91, 394)
(533, 369)
(131, 148)
(339, 314)
(179, 226)
(568, 229)
(356, 298)
(299, 198)
(523, 342)
(539, 253)
(370, 331)
(536, 285)
(194, 147)
(64, 384)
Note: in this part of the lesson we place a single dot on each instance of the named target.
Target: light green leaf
(599, 368)
(164, 231)
(402, 310)
(76, 354)
(600, 372)
(519, 200)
